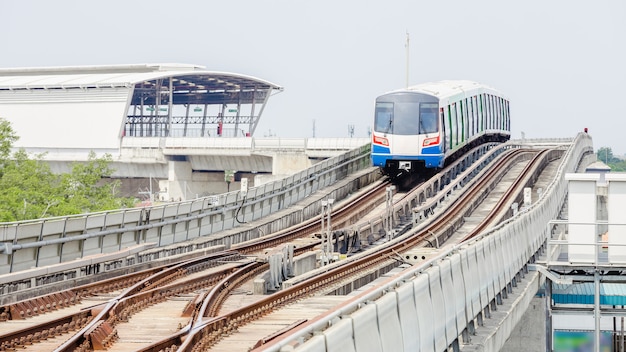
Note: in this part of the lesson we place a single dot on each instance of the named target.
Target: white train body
(427, 125)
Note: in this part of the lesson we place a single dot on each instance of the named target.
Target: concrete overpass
(186, 168)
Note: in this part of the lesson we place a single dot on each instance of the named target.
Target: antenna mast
(407, 59)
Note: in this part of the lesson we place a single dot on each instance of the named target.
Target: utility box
(582, 234)
(616, 218)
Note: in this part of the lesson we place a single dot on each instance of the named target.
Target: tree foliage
(605, 155)
(29, 189)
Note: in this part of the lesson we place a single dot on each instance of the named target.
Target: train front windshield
(406, 118)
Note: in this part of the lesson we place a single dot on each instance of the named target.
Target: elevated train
(420, 129)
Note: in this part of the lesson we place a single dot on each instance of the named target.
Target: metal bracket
(6, 248)
(550, 275)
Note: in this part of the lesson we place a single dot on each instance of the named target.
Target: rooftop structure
(94, 107)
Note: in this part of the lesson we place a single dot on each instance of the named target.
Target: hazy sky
(561, 63)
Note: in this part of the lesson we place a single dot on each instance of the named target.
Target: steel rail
(340, 216)
(537, 162)
(492, 217)
(202, 337)
(143, 286)
(148, 292)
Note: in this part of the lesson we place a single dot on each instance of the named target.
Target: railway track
(204, 293)
(207, 329)
(96, 328)
(144, 289)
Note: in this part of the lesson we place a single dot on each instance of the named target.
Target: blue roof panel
(583, 293)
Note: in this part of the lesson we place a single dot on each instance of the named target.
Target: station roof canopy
(101, 105)
(190, 83)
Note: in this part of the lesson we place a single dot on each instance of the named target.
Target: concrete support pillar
(178, 181)
(289, 163)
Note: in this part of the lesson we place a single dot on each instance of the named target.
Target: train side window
(453, 128)
(491, 112)
(496, 113)
(496, 101)
(459, 123)
(476, 118)
(462, 118)
(482, 112)
(468, 119)
(448, 120)
(443, 120)
(508, 116)
(486, 112)
(471, 117)
(468, 124)
(502, 118)
(501, 113)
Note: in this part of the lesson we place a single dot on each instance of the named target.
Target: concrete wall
(530, 332)
(288, 163)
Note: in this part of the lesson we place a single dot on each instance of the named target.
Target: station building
(178, 130)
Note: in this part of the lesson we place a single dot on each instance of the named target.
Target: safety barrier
(240, 145)
(31, 244)
(437, 302)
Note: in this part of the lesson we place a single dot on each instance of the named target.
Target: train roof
(447, 88)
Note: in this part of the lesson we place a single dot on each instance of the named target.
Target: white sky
(561, 63)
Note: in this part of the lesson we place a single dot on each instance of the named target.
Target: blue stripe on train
(380, 149)
(430, 160)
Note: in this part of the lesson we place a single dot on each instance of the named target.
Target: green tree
(26, 188)
(29, 190)
(87, 188)
(7, 138)
(605, 154)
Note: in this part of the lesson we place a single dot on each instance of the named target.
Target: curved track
(207, 331)
(203, 290)
(97, 327)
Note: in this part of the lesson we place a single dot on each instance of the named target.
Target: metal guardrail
(35, 243)
(248, 144)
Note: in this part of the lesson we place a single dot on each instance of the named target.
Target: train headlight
(430, 141)
(381, 140)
